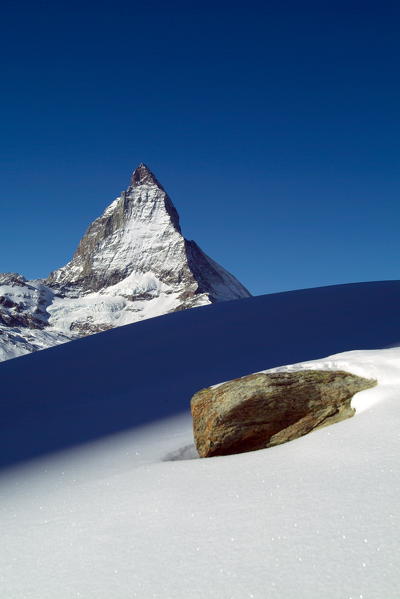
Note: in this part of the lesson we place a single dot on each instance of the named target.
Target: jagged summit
(142, 175)
(132, 263)
(139, 232)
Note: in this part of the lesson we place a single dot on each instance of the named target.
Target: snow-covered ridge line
(132, 264)
(382, 365)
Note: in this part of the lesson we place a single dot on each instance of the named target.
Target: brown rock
(262, 410)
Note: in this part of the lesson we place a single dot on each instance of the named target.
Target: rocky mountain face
(132, 263)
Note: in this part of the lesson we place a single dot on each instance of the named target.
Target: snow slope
(131, 517)
(131, 375)
(134, 514)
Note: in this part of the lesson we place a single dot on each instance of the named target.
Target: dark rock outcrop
(266, 409)
(22, 304)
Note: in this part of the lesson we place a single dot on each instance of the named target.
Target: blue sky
(274, 126)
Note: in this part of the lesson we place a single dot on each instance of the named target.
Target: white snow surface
(113, 306)
(136, 515)
(31, 298)
(18, 341)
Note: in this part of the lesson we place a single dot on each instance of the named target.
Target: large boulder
(265, 409)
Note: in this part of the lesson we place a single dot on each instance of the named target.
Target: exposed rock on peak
(11, 278)
(132, 263)
(142, 175)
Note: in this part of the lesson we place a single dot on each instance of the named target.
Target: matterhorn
(133, 263)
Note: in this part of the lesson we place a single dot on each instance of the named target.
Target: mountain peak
(142, 175)
(138, 237)
(132, 263)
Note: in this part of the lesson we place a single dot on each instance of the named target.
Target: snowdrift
(132, 375)
(134, 515)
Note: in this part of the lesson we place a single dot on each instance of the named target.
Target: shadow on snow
(134, 374)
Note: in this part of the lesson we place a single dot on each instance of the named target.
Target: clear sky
(274, 126)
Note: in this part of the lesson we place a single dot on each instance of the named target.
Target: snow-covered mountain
(133, 263)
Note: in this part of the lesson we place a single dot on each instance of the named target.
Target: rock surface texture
(265, 409)
(132, 263)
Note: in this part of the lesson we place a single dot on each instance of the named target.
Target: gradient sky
(274, 126)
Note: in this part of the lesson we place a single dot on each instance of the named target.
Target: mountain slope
(132, 263)
(148, 370)
(134, 515)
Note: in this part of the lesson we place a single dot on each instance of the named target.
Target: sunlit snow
(136, 515)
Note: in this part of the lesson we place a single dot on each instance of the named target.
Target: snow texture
(133, 517)
(135, 514)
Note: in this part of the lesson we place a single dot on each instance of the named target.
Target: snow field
(120, 518)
